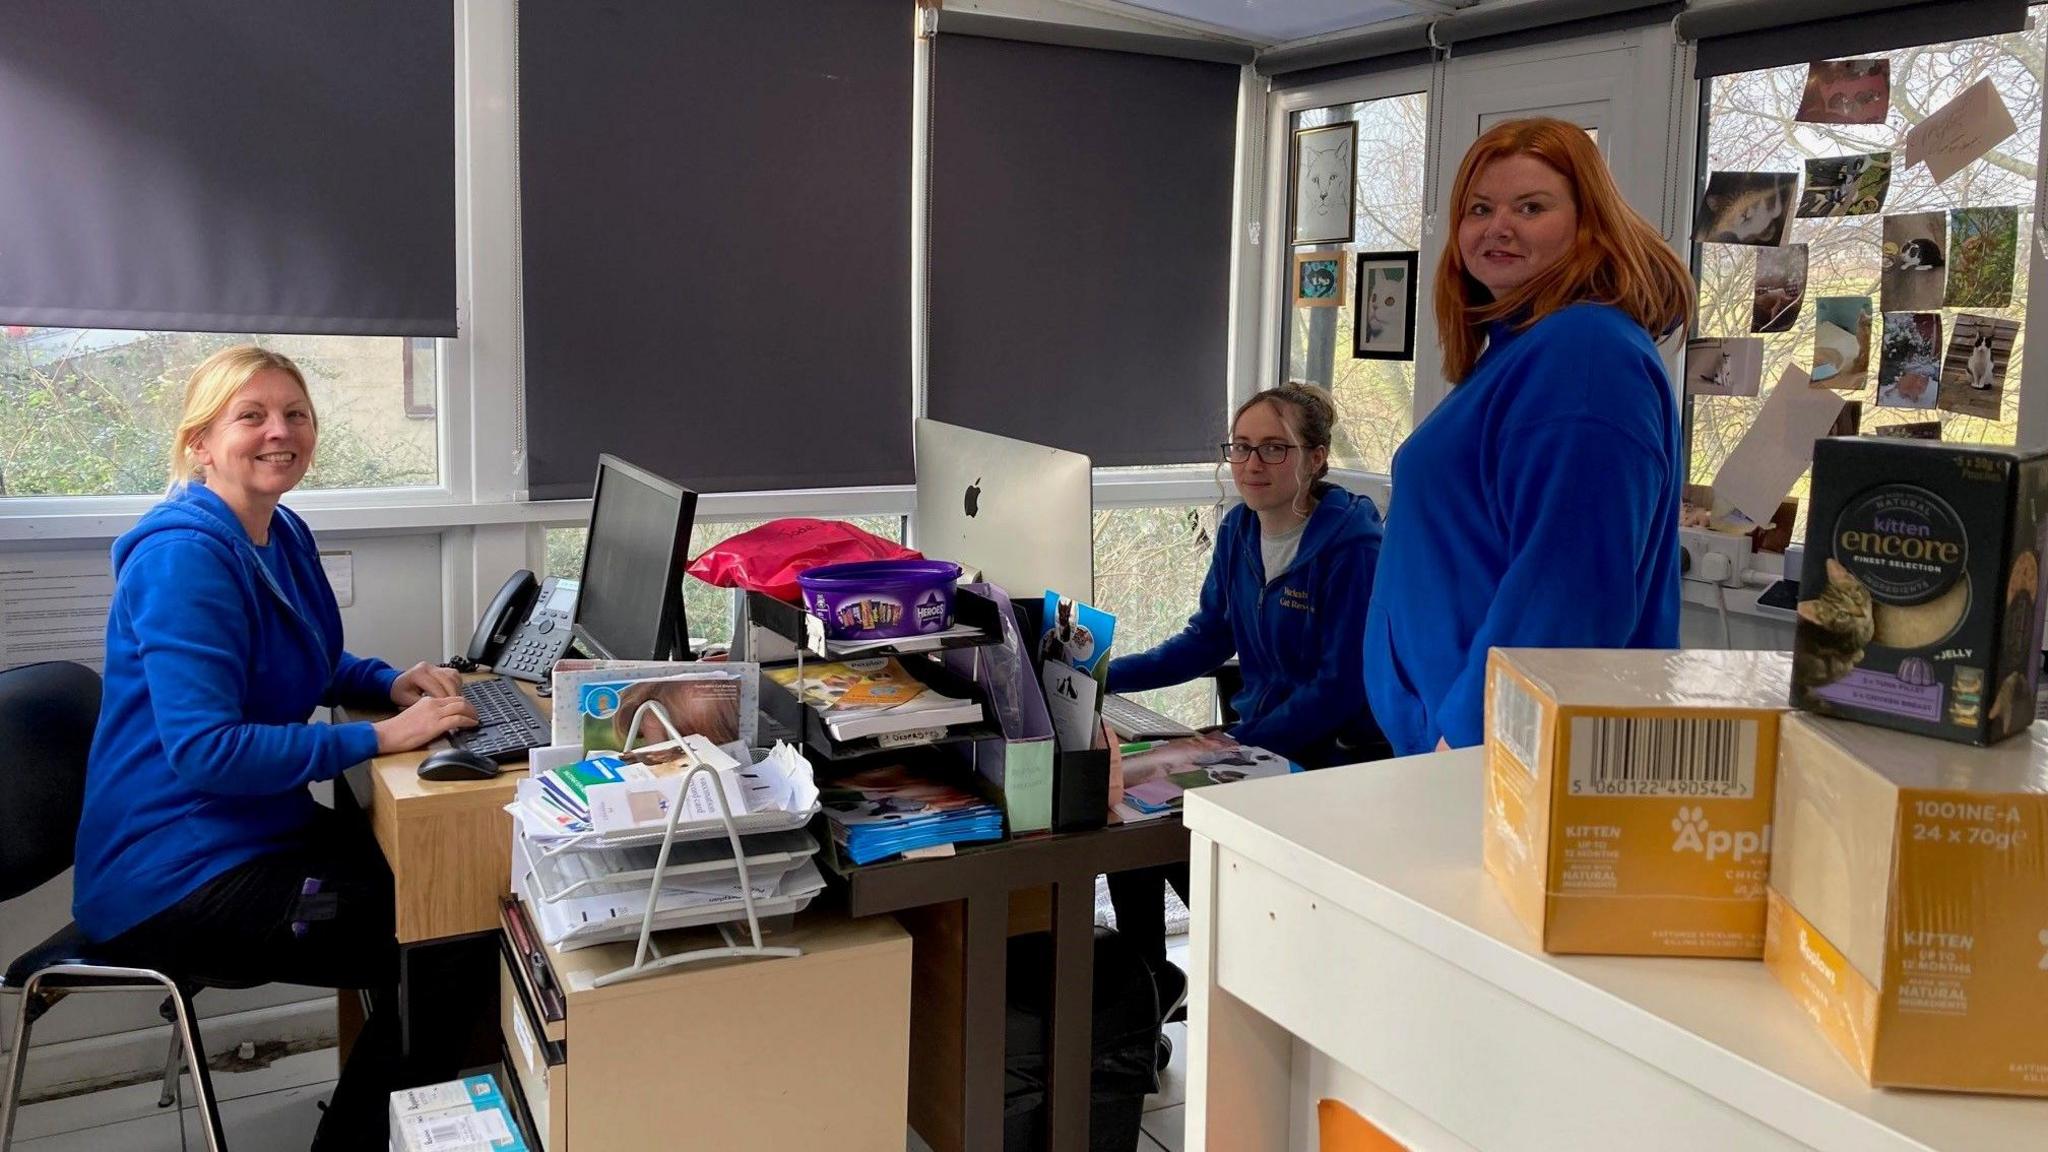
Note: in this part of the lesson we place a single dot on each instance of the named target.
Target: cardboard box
(1920, 600)
(1909, 903)
(1628, 796)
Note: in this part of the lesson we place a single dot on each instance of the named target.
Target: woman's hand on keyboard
(426, 721)
(424, 679)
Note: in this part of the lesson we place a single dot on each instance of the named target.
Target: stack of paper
(857, 698)
(612, 796)
(880, 812)
(1158, 773)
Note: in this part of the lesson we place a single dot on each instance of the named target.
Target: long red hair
(1618, 258)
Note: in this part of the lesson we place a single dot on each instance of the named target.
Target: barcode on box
(1517, 721)
(1663, 756)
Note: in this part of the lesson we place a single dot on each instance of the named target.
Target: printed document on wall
(53, 606)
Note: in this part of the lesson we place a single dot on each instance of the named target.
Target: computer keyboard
(508, 723)
(1131, 720)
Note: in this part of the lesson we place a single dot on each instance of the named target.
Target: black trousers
(318, 913)
(1140, 905)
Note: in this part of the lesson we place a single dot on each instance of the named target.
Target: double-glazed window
(1750, 126)
(90, 412)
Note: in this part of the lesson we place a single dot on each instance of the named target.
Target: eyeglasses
(1237, 452)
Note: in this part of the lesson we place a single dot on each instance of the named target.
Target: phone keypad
(532, 653)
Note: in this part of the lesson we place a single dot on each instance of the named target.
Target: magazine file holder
(1018, 765)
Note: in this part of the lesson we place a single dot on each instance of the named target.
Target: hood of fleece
(191, 507)
(1341, 517)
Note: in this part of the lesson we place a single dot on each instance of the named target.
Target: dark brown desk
(983, 880)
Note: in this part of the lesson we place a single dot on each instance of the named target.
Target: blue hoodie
(217, 653)
(1296, 636)
(1536, 507)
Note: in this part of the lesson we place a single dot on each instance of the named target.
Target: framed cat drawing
(1383, 327)
(1324, 171)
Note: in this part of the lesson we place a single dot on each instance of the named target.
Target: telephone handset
(526, 628)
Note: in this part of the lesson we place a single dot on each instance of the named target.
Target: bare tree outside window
(1750, 127)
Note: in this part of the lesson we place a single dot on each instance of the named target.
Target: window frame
(1274, 304)
(2030, 428)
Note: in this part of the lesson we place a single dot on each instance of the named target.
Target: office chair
(47, 714)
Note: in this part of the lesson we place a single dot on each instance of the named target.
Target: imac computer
(1022, 513)
(631, 603)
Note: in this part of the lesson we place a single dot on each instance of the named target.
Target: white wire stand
(646, 957)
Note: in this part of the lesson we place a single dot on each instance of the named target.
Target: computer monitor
(631, 603)
(1022, 513)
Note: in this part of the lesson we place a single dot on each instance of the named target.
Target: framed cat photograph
(1324, 171)
(1318, 280)
(1383, 320)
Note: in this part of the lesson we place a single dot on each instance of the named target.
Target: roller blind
(715, 212)
(1080, 247)
(222, 165)
(1745, 35)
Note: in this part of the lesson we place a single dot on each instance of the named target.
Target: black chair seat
(68, 945)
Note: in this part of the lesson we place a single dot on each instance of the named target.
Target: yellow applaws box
(1628, 796)
(1909, 902)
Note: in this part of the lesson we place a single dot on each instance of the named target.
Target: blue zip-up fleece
(217, 653)
(1296, 636)
(1536, 507)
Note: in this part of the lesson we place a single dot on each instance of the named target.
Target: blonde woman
(200, 850)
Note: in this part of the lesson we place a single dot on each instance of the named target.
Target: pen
(1140, 746)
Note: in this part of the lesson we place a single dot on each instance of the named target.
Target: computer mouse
(457, 764)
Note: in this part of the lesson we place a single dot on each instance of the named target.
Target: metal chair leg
(172, 1067)
(202, 1080)
(17, 1062)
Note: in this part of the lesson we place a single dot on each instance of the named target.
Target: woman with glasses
(1542, 494)
(1286, 594)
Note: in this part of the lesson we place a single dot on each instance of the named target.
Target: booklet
(1158, 775)
(590, 694)
(1075, 633)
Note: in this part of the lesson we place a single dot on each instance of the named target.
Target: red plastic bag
(767, 559)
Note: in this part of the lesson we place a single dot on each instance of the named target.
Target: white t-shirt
(1278, 549)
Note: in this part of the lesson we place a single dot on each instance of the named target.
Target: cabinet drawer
(540, 1065)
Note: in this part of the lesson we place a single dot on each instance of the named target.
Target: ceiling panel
(1279, 21)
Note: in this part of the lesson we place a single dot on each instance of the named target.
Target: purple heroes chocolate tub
(881, 599)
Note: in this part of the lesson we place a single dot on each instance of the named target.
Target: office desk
(982, 880)
(449, 843)
(449, 847)
(1348, 943)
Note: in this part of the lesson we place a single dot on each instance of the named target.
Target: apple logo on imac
(973, 501)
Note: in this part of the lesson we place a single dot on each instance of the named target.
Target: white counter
(1345, 915)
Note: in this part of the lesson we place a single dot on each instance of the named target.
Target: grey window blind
(1477, 29)
(715, 221)
(1745, 35)
(1080, 247)
(221, 165)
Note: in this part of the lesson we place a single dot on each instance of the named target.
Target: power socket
(1699, 543)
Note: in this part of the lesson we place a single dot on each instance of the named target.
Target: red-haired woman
(1537, 506)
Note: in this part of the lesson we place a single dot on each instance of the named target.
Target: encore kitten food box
(1628, 796)
(1909, 902)
(1920, 602)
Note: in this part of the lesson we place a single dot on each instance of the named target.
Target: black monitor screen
(630, 605)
